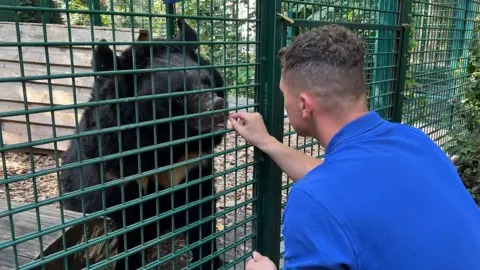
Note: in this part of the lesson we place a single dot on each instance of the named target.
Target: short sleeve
(313, 238)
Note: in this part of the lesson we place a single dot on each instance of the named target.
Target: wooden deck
(25, 223)
(28, 222)
(37, 92)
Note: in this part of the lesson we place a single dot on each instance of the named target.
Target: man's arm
(313, 238)
(294, 163)
(252, 128)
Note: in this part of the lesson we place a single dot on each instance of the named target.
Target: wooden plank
(12, 69)
(63, 118)
(25, 223)
(57, 55)
(9, 53)
(14, 133)
(6, 261)
(38, 93)
(33, 32)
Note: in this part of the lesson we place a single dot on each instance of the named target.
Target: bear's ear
(104, 58)
(143, 35)
(186, 33)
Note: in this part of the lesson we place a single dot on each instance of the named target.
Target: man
(386, 196)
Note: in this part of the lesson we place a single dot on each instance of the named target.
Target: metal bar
(310, 23)
(268, 188)
(120, 43)
(405, 20)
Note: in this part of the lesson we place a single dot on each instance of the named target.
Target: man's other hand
(251, 127)
(259, 262)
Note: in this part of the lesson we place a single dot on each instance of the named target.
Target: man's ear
(306, 104)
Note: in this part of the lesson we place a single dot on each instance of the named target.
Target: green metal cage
(416, 61)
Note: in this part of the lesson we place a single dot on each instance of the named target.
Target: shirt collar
(356, 127)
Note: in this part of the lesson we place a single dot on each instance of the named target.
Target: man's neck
(329, 126)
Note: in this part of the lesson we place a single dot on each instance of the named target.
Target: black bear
(180, 124)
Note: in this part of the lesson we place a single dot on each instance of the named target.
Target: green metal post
(458, 45)
(96, 18)
(459, 29)
(402, 59)
(472, 8)
(268, 189)
(383, 60)
(170, 21)
(47, 16)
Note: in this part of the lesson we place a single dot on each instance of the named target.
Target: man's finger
(235, 124)
(250, 264)
(235, 115)
(257, 256)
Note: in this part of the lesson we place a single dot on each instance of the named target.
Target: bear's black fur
(166, 131)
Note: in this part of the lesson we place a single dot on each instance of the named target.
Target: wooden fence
(12, 97)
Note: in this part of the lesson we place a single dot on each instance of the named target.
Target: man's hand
(259, 262)
(251, 127)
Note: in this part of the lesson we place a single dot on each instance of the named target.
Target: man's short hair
(328, 62)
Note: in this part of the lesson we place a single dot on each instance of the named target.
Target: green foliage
(141, 6)
(467, 145)
(467, 150)
(82, 18)
(471, 101)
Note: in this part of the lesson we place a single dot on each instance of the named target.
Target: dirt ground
(46, 187)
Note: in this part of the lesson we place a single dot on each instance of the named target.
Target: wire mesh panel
(437, 75)
(115, 147)
(375, 22)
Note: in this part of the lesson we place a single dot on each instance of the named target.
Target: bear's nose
(218, 103)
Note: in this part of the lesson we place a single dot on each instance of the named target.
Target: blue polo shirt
(387, 198)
